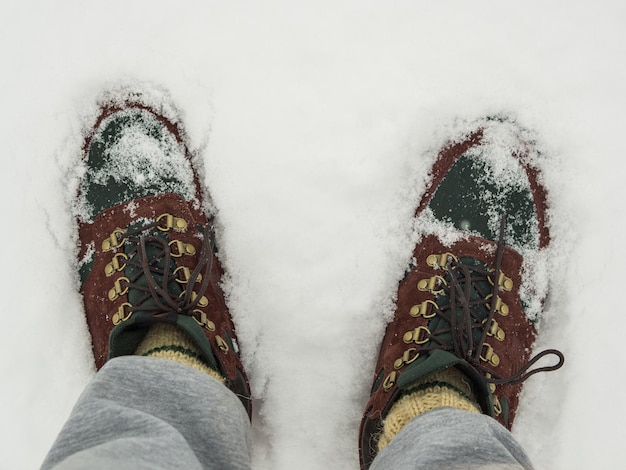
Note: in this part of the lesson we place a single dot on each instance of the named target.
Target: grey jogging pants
(148, 413)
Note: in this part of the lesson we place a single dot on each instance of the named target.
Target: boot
(147, 255)
(462, 332)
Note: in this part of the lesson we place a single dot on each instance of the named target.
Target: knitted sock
(449, 387)
(170, 342)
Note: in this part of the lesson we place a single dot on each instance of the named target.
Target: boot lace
(159, 289)
(461, 326)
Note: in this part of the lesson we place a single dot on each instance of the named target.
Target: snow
(317, 123)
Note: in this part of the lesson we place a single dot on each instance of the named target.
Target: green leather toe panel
(473, 197)
(132, 155)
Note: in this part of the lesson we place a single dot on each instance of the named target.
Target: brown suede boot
(462, 332)
(147, 249)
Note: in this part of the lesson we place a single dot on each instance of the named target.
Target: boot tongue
(126, 336)
(140, 298)
(465, 300)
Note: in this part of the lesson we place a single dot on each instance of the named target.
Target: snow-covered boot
(150, 277)
(466, 310)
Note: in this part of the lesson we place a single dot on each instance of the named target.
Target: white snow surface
(317, 122)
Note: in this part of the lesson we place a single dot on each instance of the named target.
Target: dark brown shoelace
(164, 306)
(465, 289)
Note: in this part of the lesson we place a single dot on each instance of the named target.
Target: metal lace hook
(205, 261)
(494, 292)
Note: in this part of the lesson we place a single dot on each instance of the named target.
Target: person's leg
(150, 413)
(448, 438)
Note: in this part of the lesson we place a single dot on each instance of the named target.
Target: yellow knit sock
(449, 387)
(170, 342)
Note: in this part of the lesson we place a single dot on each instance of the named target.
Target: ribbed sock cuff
(447, 388)
(170, 342)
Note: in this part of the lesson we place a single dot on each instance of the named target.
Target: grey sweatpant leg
(148, 413)
(447, 438)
